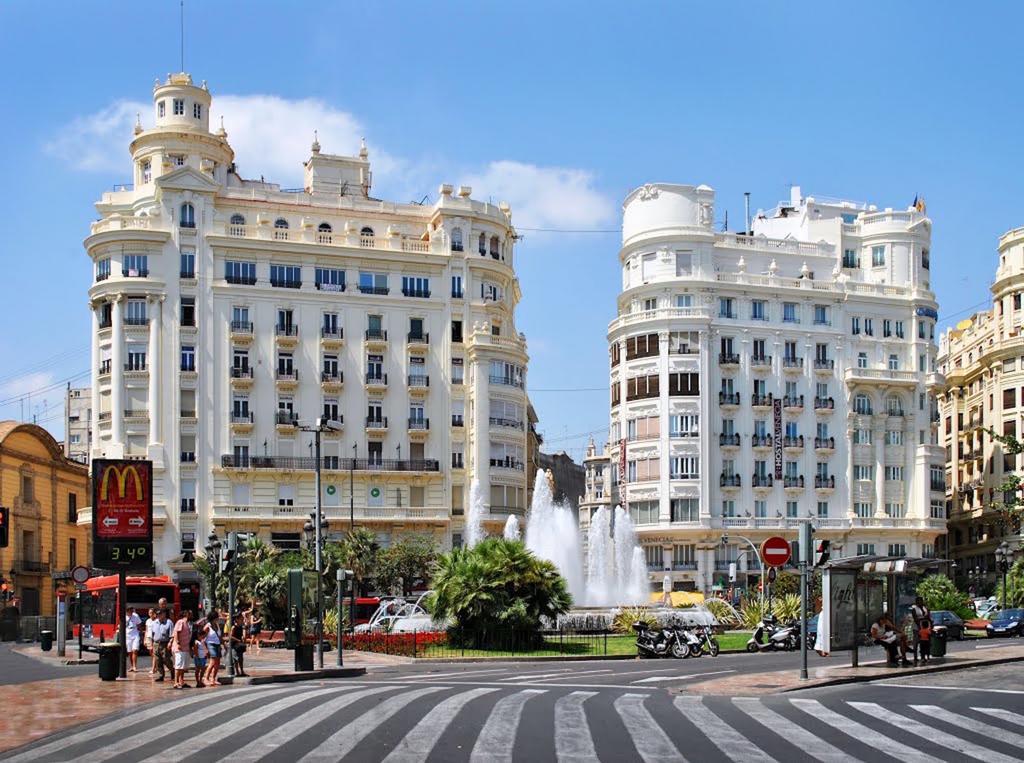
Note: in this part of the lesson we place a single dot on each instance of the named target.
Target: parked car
(1007, 622)
(988, 608)
(951, 622)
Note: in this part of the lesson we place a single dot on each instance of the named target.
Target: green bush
(752, 611)
(722, 610)
(624, 619)
(1014, 586)
(939, 592)
(787, 608)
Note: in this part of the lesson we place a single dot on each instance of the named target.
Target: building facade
(44, 491)
(982, 359)
(229, 315)
(766, 378)
(77, 423)
(568, 478)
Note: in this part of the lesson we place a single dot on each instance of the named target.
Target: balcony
(188, 505)
(730, 440)
(376, 380)
(793, 482)
(729, 399)
(241, 376)
(305, 463)
(104, 369)
(136, 320)
(730, 480)
(506, 423)
(793, 443)
(376, 337)
(506, 381)
(417, 424)
(762, 481)
(885, 375)
(332, 380)
(135, 366)
(458, 420)
(287, 335)
(241, 331)
(419, 293)
(241, 421)
(379, 291)
(419, 341)
(285, 283)
(332, 336)
(938, 487)
(31, 567)
(286, 419)
(824, 366)
(824, 405)
(761, 441)
(507, 463)
(418, 383)
(240, 279)
(287, 378)
(761, 364)
(335, 287)
(793, 365)
(139, 273)
(825, 483)
(793, 403)
(761, 401)
(825, 445)
(728, 360)
(138, 414)
(187, 457)
(376, 423)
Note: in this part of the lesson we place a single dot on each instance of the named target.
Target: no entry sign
(775, 552)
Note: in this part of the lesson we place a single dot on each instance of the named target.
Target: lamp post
(213, 559)
(1003, 554)
(351, 529)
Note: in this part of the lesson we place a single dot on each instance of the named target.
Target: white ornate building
(761, 378)
(230, 313)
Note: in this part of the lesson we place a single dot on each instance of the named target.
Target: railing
(134, 366)
(730, 480)
(496, 421)
(664, 313)
(332, 376)
(883, 374)
(104, 367)
(418, 338)
(793, 482)
(824, 403)
(376, 422)
(728, 439)
(241, 280)
(507, 463)
(458, 421)
(825, 443)
(761, 480)
(506, 380)
(422, 293)
(792, 362)
(135, 413)
(306, 463)
(132, 320)
(418, 424)
(245, 372)
(761, 361)
(187, 413)
(285, 283)
(761, 401)
(188, 505)
(376, 335)
(188, 368)
(764, 243)
(136, 273)
(438, 644)
(286, 419)
(188, 457)
(824, 364)
(31, 567)
(287, 330)
(793, 442)
(375, 379)
(241, 327)
(332, 333)
(419, 381)
(379, 291)
(728, 398)
(242, 417)
(726, 359)
(287, 375)
(828, 482)
(790, 401)
(761, 441)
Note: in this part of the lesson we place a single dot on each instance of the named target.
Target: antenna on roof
(182, 22)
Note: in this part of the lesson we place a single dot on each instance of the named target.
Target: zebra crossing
(402, 722)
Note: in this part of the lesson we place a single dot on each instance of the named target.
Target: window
(728, 508)
(822, 509)
(684, 342)
(73, 508)
(286, 276)
(792, 509)
(893, 473)
(188, 311)
(329, 279)
(135, 265)
(684, 468)
(188, 357)
(862, 405)
(894, 362)
(893, 406)
(179, 107)
(685, 509)
(495, 248)
(684, 300)
(684, 425)
(506, 373)
(850, 259)
(178, 160)
(239, 272)
(188, 263)
(651, 304)
(331, 409)
(894, 437)
(72, 553)
(868, 327)
(161, 108)
(862, 360)
(886, 328)
(855, 325)
(1010, 398)
(899, 329)
(759, 310)
(683, 384)
(456, 239)
(684, 263)
(187, 216)
(878, 256)
(375, 367)
(103, 269)
(897, 549)
(373, 283)
(863, 472)
(414, 286)
(644, 513)
(136, 358)
(330, 367)
(821, 315)
(726, 307)
(135, 313)
(643, 346)
(865, 549)
(240, 318)
(789, 312)
(457, 331)
(456, 287)
(330, 326)
(490, 292)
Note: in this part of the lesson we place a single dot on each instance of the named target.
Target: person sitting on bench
(884, 633)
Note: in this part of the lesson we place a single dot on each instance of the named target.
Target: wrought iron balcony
(824, 403)
(824, 364)
(419, 380)
(727, 359)
(376, 380)
(241, 327)
(243, 372)
(306, 463)
(335, 332)
(761, 441)
(792, 362)
(793, 482)
(418, 424)
(793, 401)
(761, 401)
(822, 482)
(824, 443)
(291, 329)
(761, 480)
(730, 480)
(728, 398)
(732, 439)
(380, 291)
(793, 442)
(286, 419)
(376, 335)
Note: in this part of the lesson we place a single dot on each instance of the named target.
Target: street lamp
(1003, 554)
(321, 425)
(213, 559)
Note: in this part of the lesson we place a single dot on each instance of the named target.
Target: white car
(399, 616)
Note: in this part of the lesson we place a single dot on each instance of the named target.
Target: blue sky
(561, 108)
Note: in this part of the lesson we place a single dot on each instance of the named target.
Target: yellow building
(43, 490)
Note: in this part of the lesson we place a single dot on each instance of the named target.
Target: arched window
(281, 229)
(495, 247)
(893, 405)
(456, 239)
(324, 233)
(366, 231)
(324, 228)
(482, 246)
(281, 223)
(862, 405)
(237, 219)
(188, 216)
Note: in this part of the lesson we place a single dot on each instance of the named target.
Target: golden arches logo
(121, 474)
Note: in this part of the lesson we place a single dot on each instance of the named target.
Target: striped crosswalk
(399, 722)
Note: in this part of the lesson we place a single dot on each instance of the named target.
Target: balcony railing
(287, 374)
(761, 480)
(136, 320)
(418, 338)
(507, 463)
(189, 368)
(729, 439)
(104, 367)
(828, 482)
(375, 379)
(335, 332)
(726, 359)
(418, 424)
(135, 366)
(242, 417)
(380, 291)
(286, 419)
(761, 401)
(728, 398)
(376, 422)
(497, 421)
(793, 442)
(287, 330)
(824, 364)
(759, 361)
(824, 403)
(285, 283)
(793, 482)
(761, 440)
(506, 380)
(136, 273)
(458, 420)
(136, 413)
(422, 293)
(793, 401)
(730, 480)
(240, 279)
(825, 443)
(306, 463)
(31, 567)
(188, 457)
(244, 372)
(332, 376)
(419, 380)
(321, 286)
(241, 327)
(188, 505)
(376, 335)
(792, 362)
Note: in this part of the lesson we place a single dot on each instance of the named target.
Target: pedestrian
(181, 640)
(255, 625)
(236, 639)
(884, 633)
(920, 613)
(162, 630)
(132, 622)
(199, 651)
(212, 637)
(150, 622)
(924, 640)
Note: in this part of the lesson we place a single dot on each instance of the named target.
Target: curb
(900, 674)
(290, 678)
(546, 658)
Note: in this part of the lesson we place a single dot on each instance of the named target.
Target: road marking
(894, 682)
(932, 734)
(496, 740)
(861, 733)
(573, 742)
(969, 724)
(120, 725)
(651, 742)
(811, 744)
(542, 684)
(681, 677)
(988, 646)
(415, 746)
(721, 734)
(345, 739)
(531, 677)
(297, 725)
(456, 673)
(1004, 715)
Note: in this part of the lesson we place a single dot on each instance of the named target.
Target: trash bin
(46, 640)
(304, 657)
(938, 646)
(110, 657)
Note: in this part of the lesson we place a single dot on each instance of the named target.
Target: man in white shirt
(162, 629)
(131, 629)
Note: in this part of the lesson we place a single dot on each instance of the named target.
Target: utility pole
(806, 544)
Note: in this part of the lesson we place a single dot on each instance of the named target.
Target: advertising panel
(122, 514)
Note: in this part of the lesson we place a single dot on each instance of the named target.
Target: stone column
(664, 442)
(481, 428)
(117, 372)
(155, 305)
(878, 429)
(707, 428)
(94, 416)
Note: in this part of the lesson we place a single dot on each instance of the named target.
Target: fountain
(474, 532)
(512, 528)
(616, 570)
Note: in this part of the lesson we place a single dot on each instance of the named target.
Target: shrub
(752, 611)
(1014, 586)
(723, 611)
(939, 592)
(787, 608)
(625, 617)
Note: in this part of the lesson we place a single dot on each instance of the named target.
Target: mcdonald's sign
(122, 501)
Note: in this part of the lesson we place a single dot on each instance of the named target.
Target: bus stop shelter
(856, 590)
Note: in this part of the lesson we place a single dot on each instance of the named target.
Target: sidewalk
(840, 672)
(39, 708)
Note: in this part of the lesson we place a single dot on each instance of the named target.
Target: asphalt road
(487, 713)
(18, 669)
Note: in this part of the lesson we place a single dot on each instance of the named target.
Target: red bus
(365, 607)
(100, 607)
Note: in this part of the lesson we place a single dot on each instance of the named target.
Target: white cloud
(545, 197)
(271, 137)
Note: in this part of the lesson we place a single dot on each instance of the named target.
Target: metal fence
(421, 644)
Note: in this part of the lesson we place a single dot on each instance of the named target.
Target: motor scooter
(769, 636)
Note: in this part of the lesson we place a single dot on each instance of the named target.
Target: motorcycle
(707, 640)
(769, 636)
(662, 643)
(686, 636)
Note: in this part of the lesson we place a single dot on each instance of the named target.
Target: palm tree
(360, 551)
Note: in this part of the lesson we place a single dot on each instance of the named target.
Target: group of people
(914, 635)
(190, 641)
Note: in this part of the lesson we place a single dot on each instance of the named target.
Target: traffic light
(5, 527)
(229, 554)
(821, 552)
(5, 591)
(732, 572)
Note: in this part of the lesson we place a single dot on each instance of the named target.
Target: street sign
(80, 574)
(775, 551)
(122, 510)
